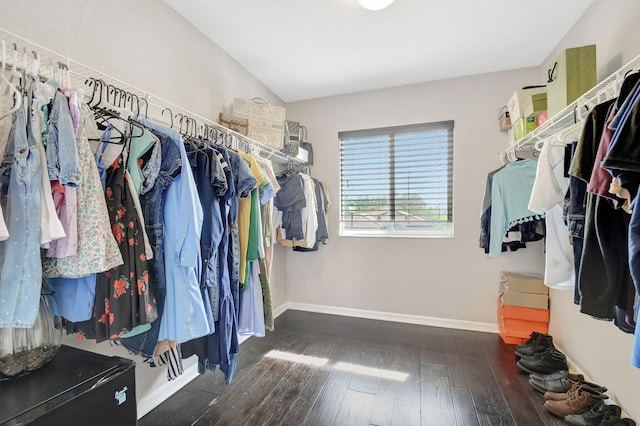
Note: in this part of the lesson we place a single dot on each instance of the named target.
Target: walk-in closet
(348, 212)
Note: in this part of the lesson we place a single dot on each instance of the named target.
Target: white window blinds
(397, 181)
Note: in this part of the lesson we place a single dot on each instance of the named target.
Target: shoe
(580, 400)
(536, 355)
(557, 375)
(559, 396)
(536, 344)
(546, 362)
(594, 416)
(611, 420)
(556, 386)
(559, 385)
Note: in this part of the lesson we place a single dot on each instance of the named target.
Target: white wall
(441, 278)
(147, 45)
(453, 278)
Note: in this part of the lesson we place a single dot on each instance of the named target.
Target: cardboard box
(303, 155)
(522, 328)
(509, 336)
(572, 74)
(519, 99)
(266, 122)
(526, 300)
(511, 340)
(535, 105)
(520, 312)
(523, 126)
(522, 283)
(504, 120)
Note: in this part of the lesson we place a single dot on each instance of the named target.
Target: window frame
(392, 133)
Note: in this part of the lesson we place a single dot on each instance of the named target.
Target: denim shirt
(184, 316)
(62, 149)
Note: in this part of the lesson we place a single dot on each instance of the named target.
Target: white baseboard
(390, 316)
(161, 393)
(280, 310)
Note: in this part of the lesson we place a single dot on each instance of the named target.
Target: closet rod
(576, 111)
(81, 74)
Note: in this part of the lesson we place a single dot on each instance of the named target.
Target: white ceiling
(305, 49)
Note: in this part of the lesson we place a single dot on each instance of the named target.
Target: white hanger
(35, 67)
(567, 135)
(4, 66)
(67, 74)
(17, 96)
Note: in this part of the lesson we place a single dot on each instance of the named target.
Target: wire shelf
(22, 52)
(575, 112)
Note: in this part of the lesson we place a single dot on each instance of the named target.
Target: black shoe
(537, 343)
(611, 420)
(560, 385)
(546, 362)
(557, 375)
(594, 416)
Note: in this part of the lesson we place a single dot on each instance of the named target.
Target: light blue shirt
(184, 317)
(510, 194)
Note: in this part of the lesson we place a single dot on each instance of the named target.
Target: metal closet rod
(81, 75)
(576, 111)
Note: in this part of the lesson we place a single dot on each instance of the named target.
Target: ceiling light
(375, 4)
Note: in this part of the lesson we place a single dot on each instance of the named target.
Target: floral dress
(123, 298)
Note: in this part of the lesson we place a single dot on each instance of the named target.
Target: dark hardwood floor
(362, 372)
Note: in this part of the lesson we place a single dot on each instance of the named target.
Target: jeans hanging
(21, 277)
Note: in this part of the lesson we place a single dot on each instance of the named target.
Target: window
(397, 181)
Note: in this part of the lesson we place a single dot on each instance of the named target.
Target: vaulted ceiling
(304, 49)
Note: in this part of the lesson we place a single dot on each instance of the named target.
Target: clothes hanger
(17, 95)
(146, 108)
(162, 113)
(3, 70)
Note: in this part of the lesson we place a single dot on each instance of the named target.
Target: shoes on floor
(613, 420)
(549, 361)
(538, 342)
(559, 396)
(557, 375)
(580, 400)
(594, 416)
(559, 382)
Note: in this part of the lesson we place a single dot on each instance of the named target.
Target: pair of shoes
(559, 381)
(549, 361)
(537, 343)
(610, 419)
(559, 396)
(557, 375)
(594, 416)
(580, 399)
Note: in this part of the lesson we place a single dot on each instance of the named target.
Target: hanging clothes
(547, 196)
(184, 317)
(510, 194)
(603, 270)
(517, 236)
(162, 167)
(51, 227)
(123, 298)
(21, 276)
